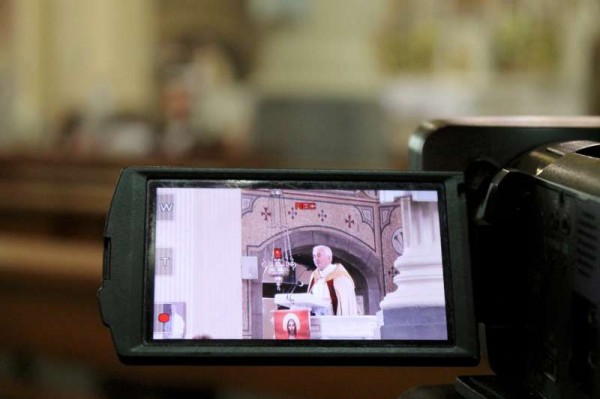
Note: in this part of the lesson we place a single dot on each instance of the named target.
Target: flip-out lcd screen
(252, 260)
(230, 266)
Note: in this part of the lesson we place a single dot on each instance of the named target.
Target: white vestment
(343, 287)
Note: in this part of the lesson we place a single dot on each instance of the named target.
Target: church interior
(88, 87)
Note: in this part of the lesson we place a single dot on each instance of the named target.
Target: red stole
(334, 299)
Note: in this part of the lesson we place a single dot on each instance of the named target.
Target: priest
(333, 283)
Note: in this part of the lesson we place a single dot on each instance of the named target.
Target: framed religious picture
(292, 324)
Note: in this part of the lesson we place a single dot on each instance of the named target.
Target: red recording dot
(164, 317)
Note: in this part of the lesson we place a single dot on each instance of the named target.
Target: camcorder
(533, 199)
(491, 238)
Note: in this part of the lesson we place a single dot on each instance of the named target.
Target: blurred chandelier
(278, 261)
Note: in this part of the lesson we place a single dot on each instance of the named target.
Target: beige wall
(327, 50)
(97, 55)
(101, 56)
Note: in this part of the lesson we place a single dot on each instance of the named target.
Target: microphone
(298, 283)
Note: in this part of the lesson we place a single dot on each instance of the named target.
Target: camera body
(516, 198)
(203, 266)
(533, 188)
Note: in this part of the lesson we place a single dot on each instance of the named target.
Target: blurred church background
(90, 86)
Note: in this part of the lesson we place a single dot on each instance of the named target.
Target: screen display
(297, 261)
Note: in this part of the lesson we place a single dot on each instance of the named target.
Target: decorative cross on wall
(266, 213)
(349, 221)
(392, 272)
(292, 212)
(322, 215)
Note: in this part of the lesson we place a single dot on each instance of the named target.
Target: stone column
(29, 21)
(416, 310)
(96, 56)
